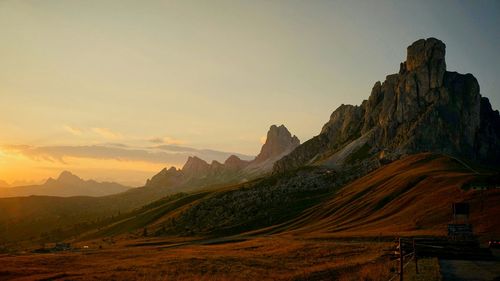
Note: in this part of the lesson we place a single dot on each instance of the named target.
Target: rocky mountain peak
(216, 165)
(425, 59)
(423, 108)
(233, 162)
(165, 176)
(425, 53)
(170, 171)
(197, 173)
(195, 165)
(279, 141)
(67, 177)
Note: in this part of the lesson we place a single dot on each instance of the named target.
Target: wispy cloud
(107, 133)
(73, 130)
(59, 153)
(170, 154)
(207, 154)
(166, 140)
(31, 152)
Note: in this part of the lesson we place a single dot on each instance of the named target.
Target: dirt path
(460, 270)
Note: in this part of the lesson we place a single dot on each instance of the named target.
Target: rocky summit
(422, 108)
(279, 141)
(197, 173)
(195, 166)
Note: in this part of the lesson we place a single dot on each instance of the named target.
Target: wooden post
(454, 214)
(481, 192)
(400, 260)
(415, 256)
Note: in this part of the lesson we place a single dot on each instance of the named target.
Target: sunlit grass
(276, 258)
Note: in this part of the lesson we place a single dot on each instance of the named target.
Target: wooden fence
(407, 250)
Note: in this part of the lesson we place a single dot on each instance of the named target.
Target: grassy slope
(412, 196)
(228, 210)
(54, 218)
(409, 196)
(49, 218)
(146, 216)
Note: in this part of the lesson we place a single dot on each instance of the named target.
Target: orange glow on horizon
(17, 167)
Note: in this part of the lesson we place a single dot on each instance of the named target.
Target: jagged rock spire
(279, 140)
(420, 109)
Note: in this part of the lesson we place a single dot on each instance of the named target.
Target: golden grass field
(266, 258)
(342, 238)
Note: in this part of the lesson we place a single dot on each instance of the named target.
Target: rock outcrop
(423, 108)
(234, 163)
(197, 173)
(195, 166)
(279, 141)
(166, 177)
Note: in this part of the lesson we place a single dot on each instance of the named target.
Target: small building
(460, 228)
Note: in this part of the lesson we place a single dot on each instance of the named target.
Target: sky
(117, 90)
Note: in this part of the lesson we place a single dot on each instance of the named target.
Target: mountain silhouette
(66, 184)
(422, 108)
(197, 173)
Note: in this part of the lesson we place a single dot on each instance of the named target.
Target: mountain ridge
(65, 185)
(314, 201)
(422, 108)
(197, 173)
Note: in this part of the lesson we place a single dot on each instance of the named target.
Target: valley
(342, 235)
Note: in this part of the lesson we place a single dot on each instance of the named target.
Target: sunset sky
(117, 90)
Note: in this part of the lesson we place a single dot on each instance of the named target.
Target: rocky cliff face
(195, 166)
(197, 173)
(166, 177)
(421, 108)
(279, 141)
(234, 163)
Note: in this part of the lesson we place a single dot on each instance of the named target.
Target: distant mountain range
(35, 214)
(65, 185)
(197, 173)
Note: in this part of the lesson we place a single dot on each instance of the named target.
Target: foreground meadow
(264, 258)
